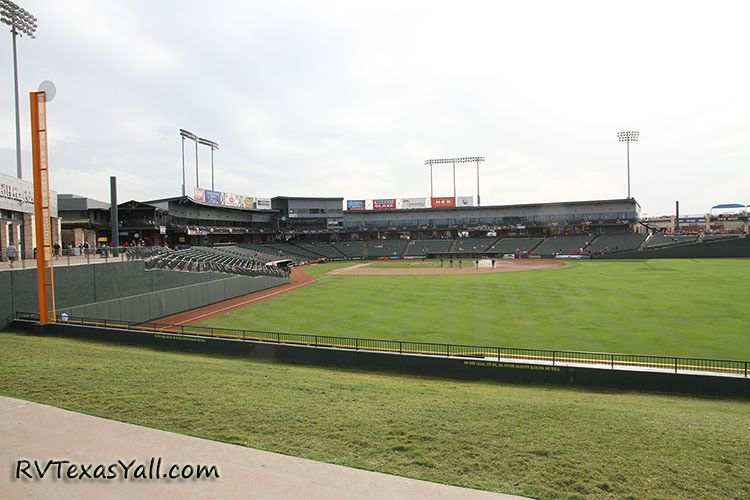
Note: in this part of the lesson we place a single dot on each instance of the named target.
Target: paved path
(76, 260)
(32, 431)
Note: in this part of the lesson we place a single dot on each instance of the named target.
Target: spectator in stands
(56, 250)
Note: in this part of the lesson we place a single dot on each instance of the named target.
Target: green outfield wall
(90, 284)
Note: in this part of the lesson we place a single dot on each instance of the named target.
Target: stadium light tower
(453, 161)
(628, 137)
(21, 23)
(184, 134)
(214, 146)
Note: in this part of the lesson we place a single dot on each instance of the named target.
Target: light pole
(214, 146)
(21, 23)
(453, 161)
(627, 137)
(184, 134)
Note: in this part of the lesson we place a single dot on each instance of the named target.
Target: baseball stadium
(443, 344)
(312, 319)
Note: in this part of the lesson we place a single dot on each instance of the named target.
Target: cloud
(345, 99)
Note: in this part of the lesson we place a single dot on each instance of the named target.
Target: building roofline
(521, 205)
(188, 199)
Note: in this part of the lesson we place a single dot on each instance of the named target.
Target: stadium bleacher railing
(550, 357)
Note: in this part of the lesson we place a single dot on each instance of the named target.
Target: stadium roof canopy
(729, 205)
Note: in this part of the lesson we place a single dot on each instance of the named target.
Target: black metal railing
(553, 357)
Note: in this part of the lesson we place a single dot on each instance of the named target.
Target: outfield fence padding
(88, 284)
(149, 306)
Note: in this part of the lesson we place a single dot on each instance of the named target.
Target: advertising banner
(355, 204)
(384, 204)
(263, 203)
(232, 200)
(443, 202)
(465, 201)
(213, 197)
(409, 203)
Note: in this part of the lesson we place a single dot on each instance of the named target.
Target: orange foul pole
(44, 265)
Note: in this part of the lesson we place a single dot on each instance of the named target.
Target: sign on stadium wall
(230, 199)
(465, 201)
(443, 202)
(263, 203)
(355, 204)
(213, 197)
(384, 204)
(17, 195)
(410, 203)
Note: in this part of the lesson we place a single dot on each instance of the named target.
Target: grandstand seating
(141, 253)
(473, 245)
(386, 248)
(662, 240)
(418, 248)
(222, 260)
(325, 250)
(608, 243)
(267, 253)
(352, 249)
(289, 250)
(511, 245)
(248, 258)
(563, 245)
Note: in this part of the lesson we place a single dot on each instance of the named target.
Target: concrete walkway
(74, 260)
(30, 431)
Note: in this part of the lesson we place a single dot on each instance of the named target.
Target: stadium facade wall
(87, 284)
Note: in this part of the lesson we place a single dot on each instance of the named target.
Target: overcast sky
(349, 98)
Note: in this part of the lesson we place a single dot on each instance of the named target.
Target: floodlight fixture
(188, 135)
(21, 23)
(627, 137)
(453, 161)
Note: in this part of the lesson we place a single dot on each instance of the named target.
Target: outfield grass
(672, 307)
(541, 442)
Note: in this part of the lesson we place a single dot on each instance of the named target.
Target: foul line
(249, 301)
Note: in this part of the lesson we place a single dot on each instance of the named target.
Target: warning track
(299, 279)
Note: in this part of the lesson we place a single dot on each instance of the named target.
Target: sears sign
(384, 204)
